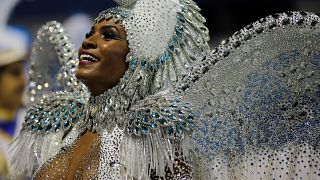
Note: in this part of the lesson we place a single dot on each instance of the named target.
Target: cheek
(115, 50)
(114, 60)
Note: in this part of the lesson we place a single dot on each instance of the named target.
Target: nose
(89, 43)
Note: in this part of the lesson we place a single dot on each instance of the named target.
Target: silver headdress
(166, 38)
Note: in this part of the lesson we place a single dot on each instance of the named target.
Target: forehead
(111, 23)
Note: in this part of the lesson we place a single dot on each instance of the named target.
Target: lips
(86, 59)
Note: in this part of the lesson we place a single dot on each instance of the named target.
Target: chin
(90, 82)
(83, 77)
(79, 75)
(84, 74)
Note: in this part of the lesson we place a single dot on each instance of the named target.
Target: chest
(79, 161)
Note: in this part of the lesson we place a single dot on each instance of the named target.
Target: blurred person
(13, 51)
(12, 84)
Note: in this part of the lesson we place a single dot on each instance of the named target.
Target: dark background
(224, 17)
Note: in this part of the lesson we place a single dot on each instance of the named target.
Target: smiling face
(102, 57)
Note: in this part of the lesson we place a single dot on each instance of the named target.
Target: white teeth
(88, 57)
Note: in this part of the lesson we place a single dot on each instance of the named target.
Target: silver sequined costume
(248, 110)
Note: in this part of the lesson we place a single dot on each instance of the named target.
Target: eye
(107, 35)
(89, 34)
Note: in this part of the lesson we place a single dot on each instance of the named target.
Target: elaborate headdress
(165, 36)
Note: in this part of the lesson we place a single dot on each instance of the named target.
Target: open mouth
(88, 58)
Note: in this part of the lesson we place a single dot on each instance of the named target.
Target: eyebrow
(110, 27)
(106, 27)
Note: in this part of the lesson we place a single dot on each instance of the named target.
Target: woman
(12, 85)
(161, 108)
(101, 138)
(13, 52)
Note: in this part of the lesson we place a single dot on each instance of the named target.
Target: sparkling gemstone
(162, 121)
(170, 131)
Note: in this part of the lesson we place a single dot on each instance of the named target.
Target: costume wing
(53, 63)
(56, 100)
(53, 86)
(259, 104)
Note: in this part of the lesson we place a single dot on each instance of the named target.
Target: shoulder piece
(54, 112)
(159, 111)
